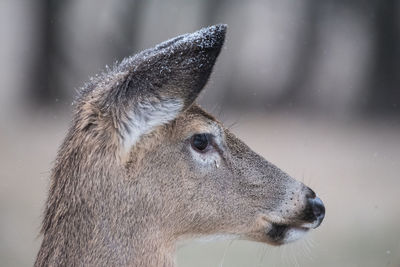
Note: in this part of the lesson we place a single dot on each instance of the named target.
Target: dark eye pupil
(200, 141)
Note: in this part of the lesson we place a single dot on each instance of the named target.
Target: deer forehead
(195, 123)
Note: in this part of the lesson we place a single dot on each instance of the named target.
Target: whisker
(302, 176)
(230, 126)
(264, 252)
(258, 253)
(225, 252)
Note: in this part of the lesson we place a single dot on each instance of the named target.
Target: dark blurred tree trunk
(307, 44)
(384, 87)
(130, 19)
(43, 85)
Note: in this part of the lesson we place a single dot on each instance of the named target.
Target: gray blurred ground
(353, 165)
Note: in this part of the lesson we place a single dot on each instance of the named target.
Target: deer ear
(154, 86)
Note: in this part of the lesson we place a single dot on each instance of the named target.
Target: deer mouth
(279, 234)
(311, 217)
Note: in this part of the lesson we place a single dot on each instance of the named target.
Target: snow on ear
(151, 88)
(178, 68)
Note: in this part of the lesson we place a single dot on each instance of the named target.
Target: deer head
(143, 166)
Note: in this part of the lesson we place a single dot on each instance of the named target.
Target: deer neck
(138, 241)
(107, 240)
(114, 226)
(133, 233)
(149, 253)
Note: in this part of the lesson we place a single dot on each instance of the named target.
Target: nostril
(310, 193)
(314, 211)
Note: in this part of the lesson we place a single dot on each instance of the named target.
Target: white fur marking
(210, 159)
(217, 237)
(147, 116)
(294, 234)
(184, 240)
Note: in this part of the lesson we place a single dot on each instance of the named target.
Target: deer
(144, 167)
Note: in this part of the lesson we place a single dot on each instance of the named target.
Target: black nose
(315, 209)
(318, 208)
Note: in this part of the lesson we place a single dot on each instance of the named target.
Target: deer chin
(279, 234)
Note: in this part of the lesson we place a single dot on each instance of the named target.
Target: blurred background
(313, 86)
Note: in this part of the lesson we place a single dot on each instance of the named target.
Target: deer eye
(200, 142)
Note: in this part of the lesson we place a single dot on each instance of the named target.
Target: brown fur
(109, 206)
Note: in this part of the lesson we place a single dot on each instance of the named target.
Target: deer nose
(318, 209)
(315, 209)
